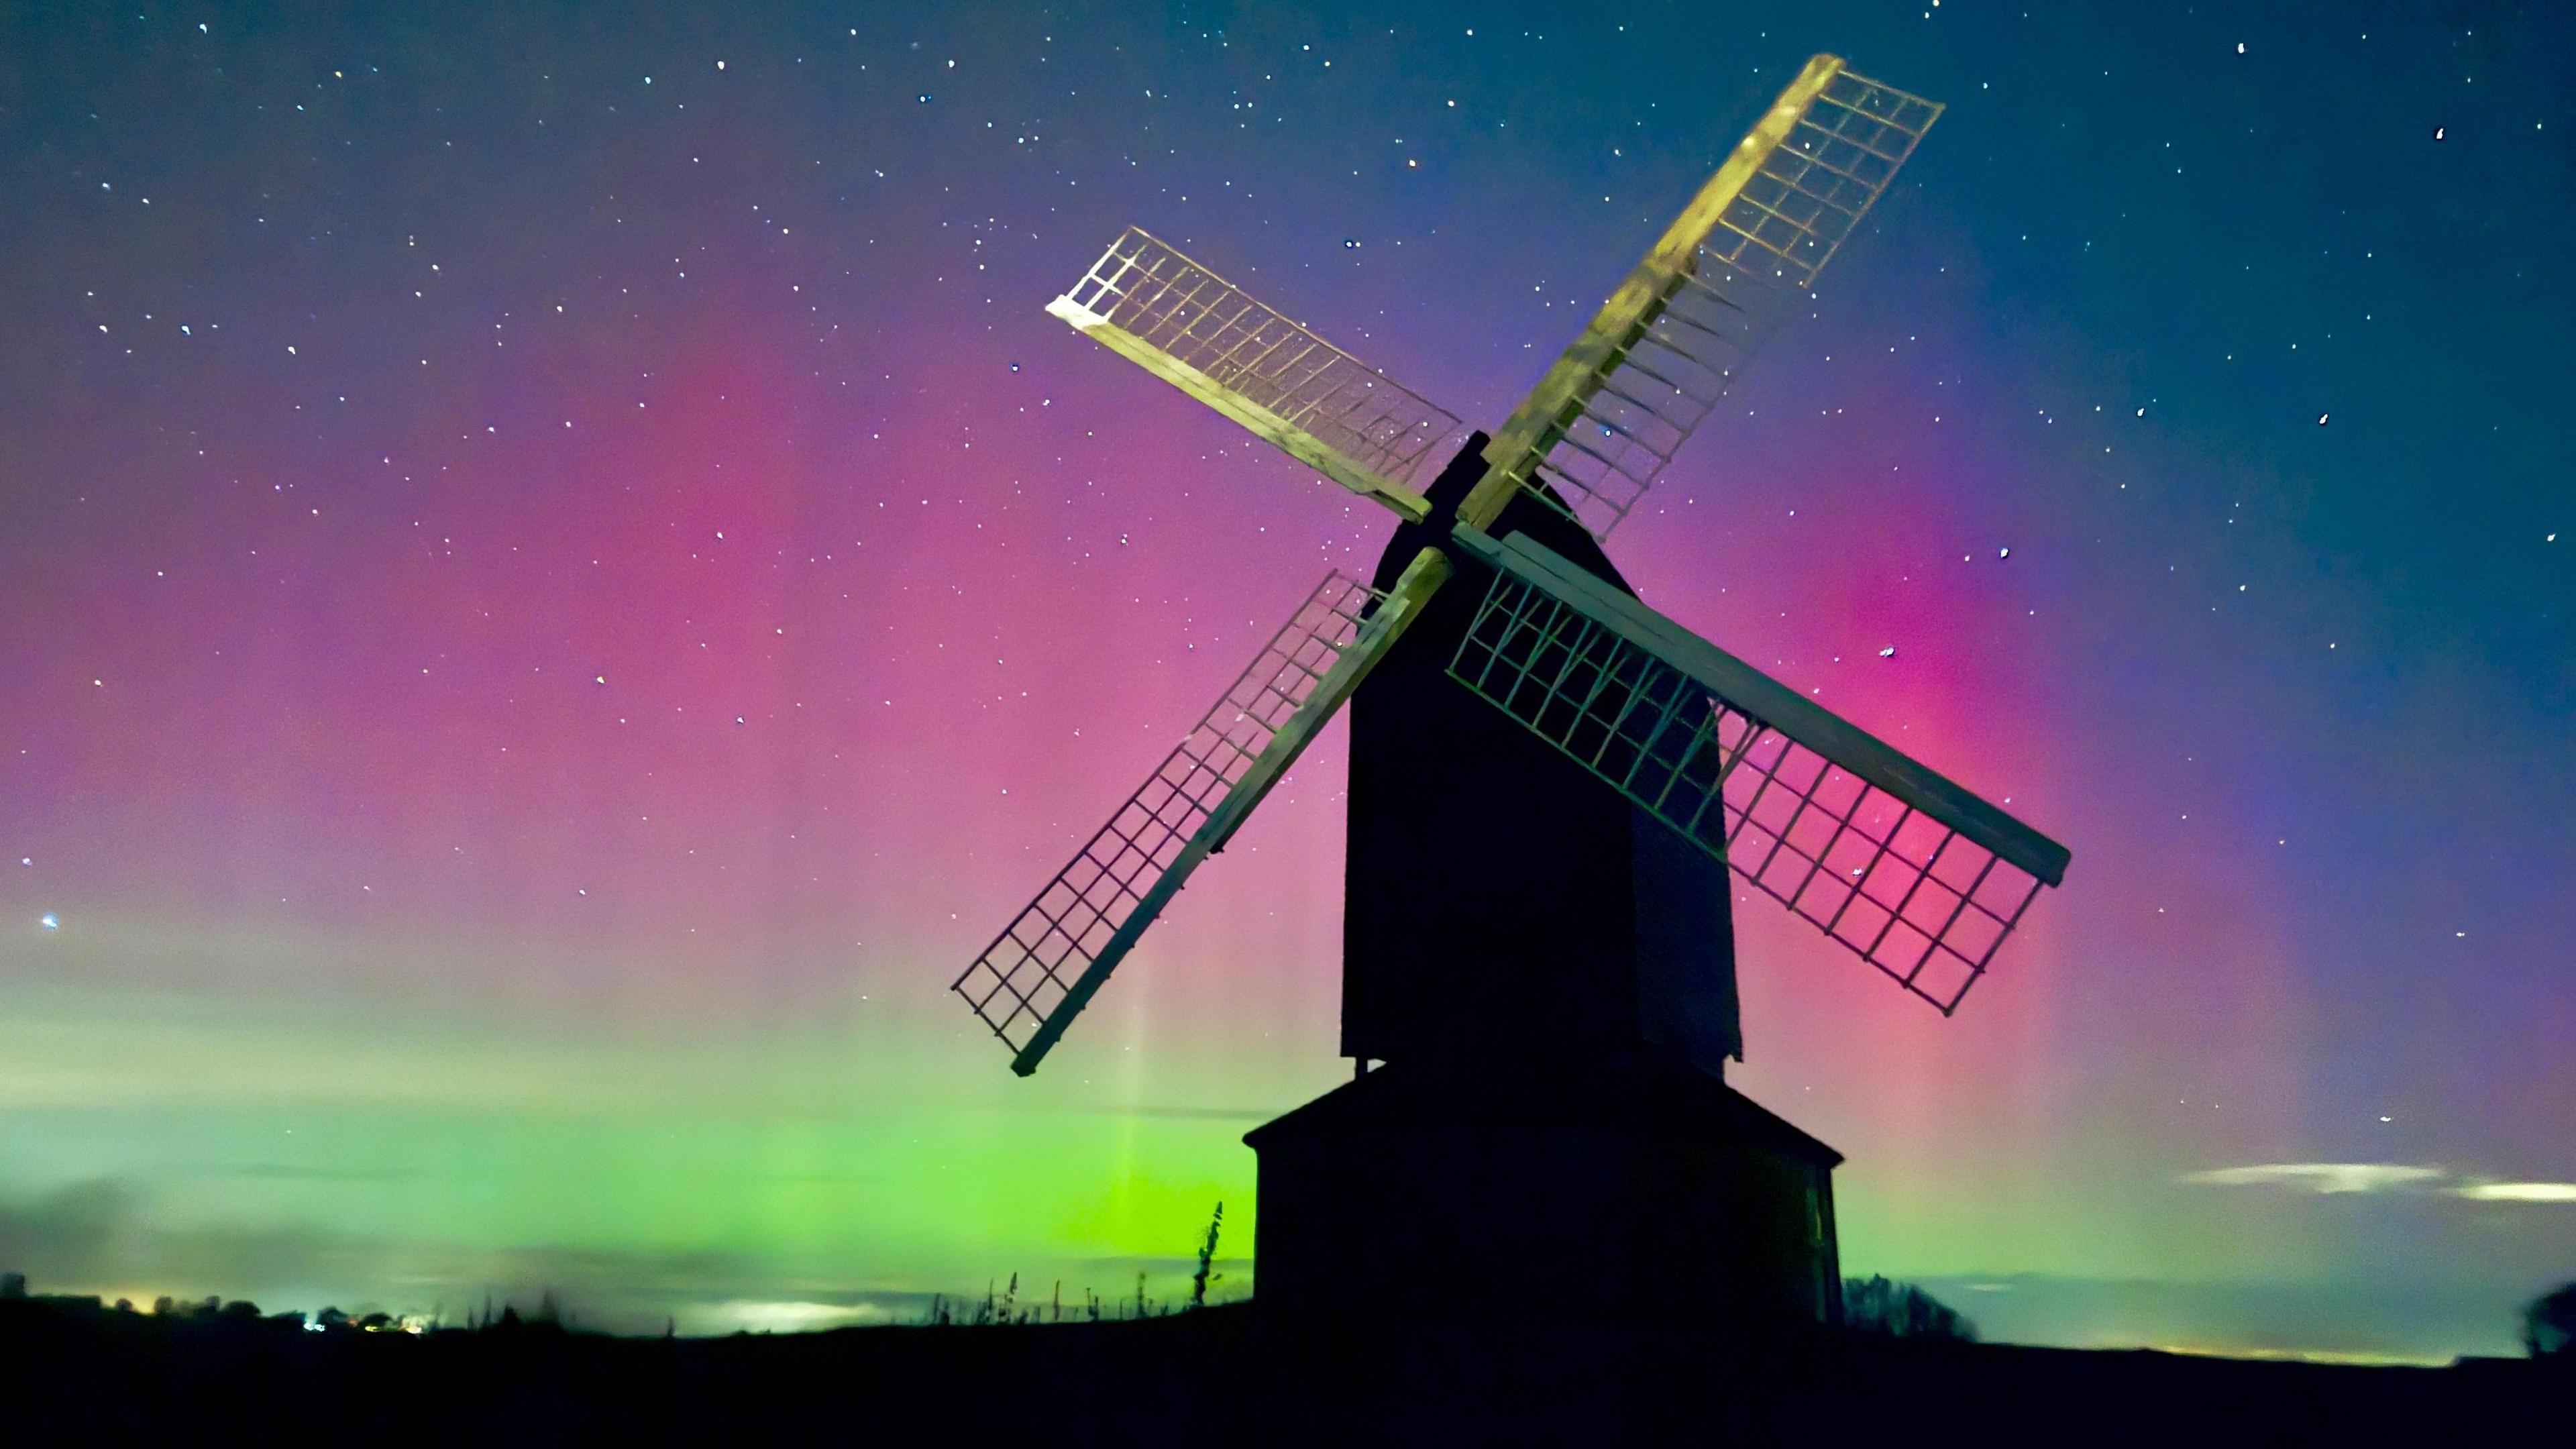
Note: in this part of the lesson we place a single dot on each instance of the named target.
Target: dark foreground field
(1219, 1376)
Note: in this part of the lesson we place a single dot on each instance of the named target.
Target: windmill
(1548, 780)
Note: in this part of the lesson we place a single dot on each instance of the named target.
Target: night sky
(559, 585)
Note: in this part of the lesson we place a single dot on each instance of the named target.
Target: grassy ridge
(1222, 1372)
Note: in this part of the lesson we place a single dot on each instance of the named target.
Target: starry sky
(560, 585)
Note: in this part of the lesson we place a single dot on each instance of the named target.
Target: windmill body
(1549, 785)
(1500, 906)
(1546, 974)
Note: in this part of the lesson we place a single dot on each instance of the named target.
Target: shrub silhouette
(1901, 1310)
(2549, 1323)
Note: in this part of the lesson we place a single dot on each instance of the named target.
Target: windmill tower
(1548, 781)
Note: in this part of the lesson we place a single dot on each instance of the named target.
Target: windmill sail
(1919, 877)
(1291, 388)
(1613, 410)
(1043, 969)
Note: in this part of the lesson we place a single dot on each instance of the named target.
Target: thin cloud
(306, 1173)
(2370, 1177)
(1184, 1114)
(2520, 1191)
(790, 1316)
(2321, 1177)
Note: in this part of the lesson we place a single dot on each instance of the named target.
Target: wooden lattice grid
(1022, 977)
(1908, 893)
(1147, 288)
(1596, 462)
(1815, 186)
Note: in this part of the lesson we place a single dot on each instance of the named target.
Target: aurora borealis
(560, 584)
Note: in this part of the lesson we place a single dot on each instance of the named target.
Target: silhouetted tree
(13, 1285)
(1901, 1310)
(2549, 1323)
(1207, 1256)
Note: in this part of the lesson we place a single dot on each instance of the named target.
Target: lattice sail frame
(1599, 462)
(1024, 976)
(1900, 866)
(1213, 340)
(1598, 429)
(1815, 186)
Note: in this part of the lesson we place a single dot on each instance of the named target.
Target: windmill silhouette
(1547, 781)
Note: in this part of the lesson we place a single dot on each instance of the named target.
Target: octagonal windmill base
(1605, 1193)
